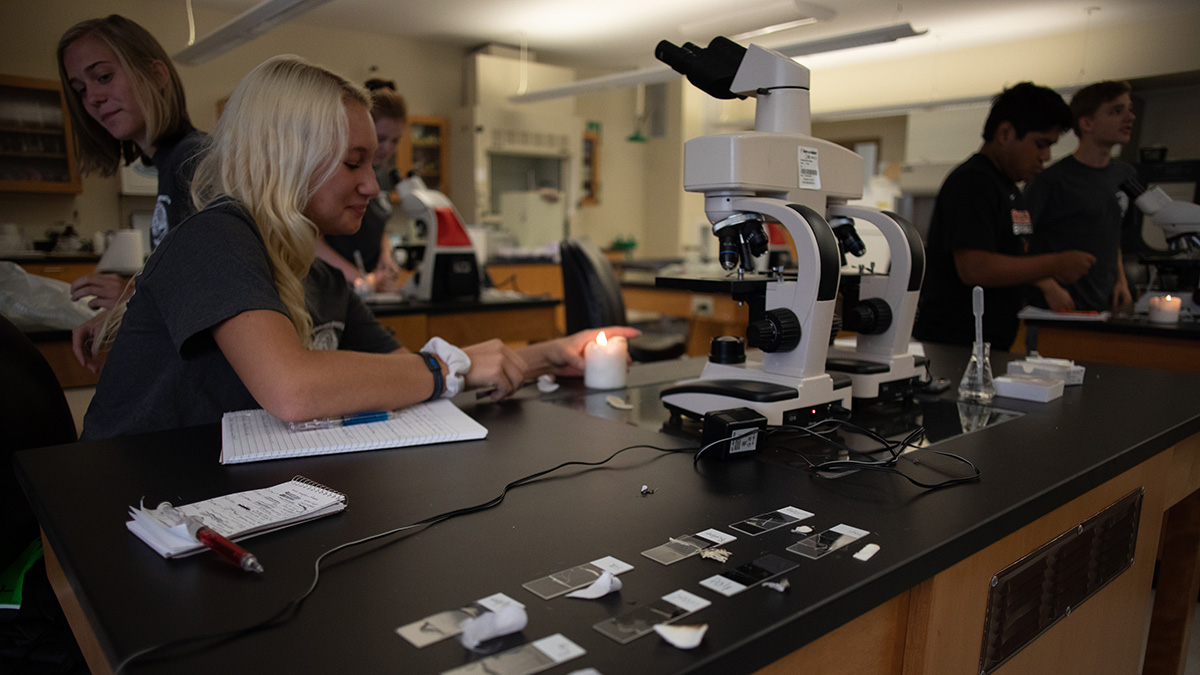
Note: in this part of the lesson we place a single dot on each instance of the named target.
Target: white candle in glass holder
(1165, 308)
(605, 362)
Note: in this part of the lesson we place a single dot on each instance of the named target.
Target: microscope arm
(811, 298)
(900, 288)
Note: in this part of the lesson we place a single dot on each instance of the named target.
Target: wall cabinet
(425, 150)
(37, 151)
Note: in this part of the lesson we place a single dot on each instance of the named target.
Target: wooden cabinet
(37, 151)
(425, 150)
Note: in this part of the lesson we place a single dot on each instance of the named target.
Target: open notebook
(253, 435)
(236, 516)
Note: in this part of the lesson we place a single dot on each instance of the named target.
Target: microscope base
(875, 379)
(813, 399)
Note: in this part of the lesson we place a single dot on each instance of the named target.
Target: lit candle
(1165, 308)
(605, 363)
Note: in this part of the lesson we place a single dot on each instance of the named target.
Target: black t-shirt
(977, 208)
(1081, 207)
(176, 160)
(367, 240)
(165, 370)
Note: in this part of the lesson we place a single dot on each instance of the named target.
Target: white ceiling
(612, 35)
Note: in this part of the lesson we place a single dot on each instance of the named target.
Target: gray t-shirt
(165, 370)
(1076, 206)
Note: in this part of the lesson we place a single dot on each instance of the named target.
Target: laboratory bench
(1127, 439)
(1121, 340)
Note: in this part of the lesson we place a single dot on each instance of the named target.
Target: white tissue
(546, 384)
(490, 625)
(683, 637)
(607, 583)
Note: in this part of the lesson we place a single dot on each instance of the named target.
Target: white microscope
(1180, 223)
(448, 270)
(880, 308)
(780, 173)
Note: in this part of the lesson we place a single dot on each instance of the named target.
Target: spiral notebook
(237, 516)
(254, 435)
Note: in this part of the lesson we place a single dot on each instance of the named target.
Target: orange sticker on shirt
(1022, 223)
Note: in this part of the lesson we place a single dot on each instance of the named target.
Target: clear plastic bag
(35, 302)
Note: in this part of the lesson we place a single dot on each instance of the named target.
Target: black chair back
(33, 413)
(591, 294)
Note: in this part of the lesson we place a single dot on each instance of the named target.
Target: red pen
(214, 540)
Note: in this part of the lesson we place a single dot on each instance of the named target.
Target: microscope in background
(447, 269)
(776, 173)
(880, 308)
(1180, 223)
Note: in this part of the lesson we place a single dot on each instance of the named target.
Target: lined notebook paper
(237, 516)
(253, 435)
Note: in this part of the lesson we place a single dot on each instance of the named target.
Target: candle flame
(601, 340)
(1168, 297)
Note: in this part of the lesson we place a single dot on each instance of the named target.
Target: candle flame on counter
(1168, 297)
(600, 339)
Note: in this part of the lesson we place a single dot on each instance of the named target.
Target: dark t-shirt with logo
(165, 370)
(977, 208)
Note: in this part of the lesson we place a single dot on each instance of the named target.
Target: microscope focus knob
(777, 331)
(869, 317)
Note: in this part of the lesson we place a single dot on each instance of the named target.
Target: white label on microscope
(810, 170)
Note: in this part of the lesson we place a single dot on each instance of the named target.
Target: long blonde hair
(164, 108)
(281, 137)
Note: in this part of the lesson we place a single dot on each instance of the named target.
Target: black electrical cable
(289, 611)
(885, 464)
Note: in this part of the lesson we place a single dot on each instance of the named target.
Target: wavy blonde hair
(164, 108)
(278, 141)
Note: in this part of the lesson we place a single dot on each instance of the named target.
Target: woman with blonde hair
(128, 105)
(370, 244)
(234, 312)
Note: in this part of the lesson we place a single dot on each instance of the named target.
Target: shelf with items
(425, 149)
(37, 153)
(591, 165)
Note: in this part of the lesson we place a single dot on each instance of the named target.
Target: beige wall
(428, 75)
(641, 193)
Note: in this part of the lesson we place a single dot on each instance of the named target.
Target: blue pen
(344, 421)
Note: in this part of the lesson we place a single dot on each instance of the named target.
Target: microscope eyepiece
(710, 68)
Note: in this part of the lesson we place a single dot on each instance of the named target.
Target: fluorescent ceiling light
(255, 21)
(664, 73)
(786, 25)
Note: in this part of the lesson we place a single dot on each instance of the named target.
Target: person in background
(127, 104)
(233, 310)
(1077, 203)
(979, 230)
(371, 241)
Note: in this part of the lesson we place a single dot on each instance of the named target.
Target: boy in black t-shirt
(1078, 202)
(980, 225)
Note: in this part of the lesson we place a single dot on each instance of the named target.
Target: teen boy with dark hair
(1078, 204)
(978, 233)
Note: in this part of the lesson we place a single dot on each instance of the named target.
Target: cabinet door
(37, 151)
(425, 150)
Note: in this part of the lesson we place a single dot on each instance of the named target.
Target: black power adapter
(735, 432)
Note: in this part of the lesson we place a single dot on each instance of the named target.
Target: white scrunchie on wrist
(457, 363)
